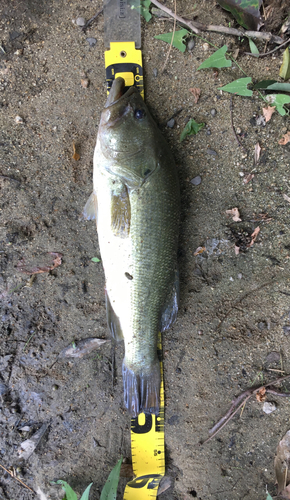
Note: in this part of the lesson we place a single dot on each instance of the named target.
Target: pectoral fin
(90, 208)
(121, 212)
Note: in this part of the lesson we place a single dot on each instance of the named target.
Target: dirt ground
(232, 330)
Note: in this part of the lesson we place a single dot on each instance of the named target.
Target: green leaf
(95, 259)
(239, 87)
(109, 491)
(145, 4)
(264, 84)
(178, 41)
(85, 495)
(191, 128)
(269, 497)
(282, 87)
(253, 47)
(279, 100)
(285, 68)
(69, 492)
(246, 12)
(217, 60)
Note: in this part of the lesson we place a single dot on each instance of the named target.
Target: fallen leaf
(285, 68)
(261, 395)
(191, 128)
(248, 178)
(28, 446)
(41, 264)
(246, 13)
(199, 250)
(75, 156)
(267, 112)
(83, 347)
(234, 212)
(254, 236)
(286, 197)
(237, 250)
(126, 471)
(196, 94)
(285, 139)
(165, 483)
(282, 462)
(257, 153)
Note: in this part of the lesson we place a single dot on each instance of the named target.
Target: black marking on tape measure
(136, 69)
(147, 426)
(152, 480)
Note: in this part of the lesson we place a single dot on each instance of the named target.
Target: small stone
(241, 174)
(85, 82)
(238, 130)
(55, 387)
(80, 21)
(170, 123)
(190, 44)
(205, 46)
(208, 131)
(18, 52)
(155, 72)
(240, 276)
(213, 112)
(211, 152)
(269, 407)
(196, 180)
(92, 41)
(18, 119)
(262, 325)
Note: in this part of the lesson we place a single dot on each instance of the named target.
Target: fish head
(125, 134)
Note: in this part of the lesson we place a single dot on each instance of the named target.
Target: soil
(232, 330)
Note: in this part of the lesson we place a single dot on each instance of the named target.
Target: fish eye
(139, 114)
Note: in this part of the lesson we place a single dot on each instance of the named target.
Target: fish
(136, 203)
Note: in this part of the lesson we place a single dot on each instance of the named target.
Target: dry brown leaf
(261, 395)
(285, 139)
(248, 178)
(237, 250)
(257, 153)
(75, 156)
(85, 82)
(196, 94)
(267, 112)
(126, 470)
(41, 264)
(199, 250)
(282, 462)
(234, 212)
(254, 236)
(83, 347)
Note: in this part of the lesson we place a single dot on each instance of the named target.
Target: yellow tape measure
(147, 431)
(148, 454)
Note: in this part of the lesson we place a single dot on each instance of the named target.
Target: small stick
(281, 394)
(17, 479)
(190, 24)
(173, 33)
(232, 122)
(268, 53)
(92, 19)
(274, 370)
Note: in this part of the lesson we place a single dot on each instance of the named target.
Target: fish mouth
(117, 92)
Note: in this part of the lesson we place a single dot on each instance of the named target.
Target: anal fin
(90, 209)
(113, 321)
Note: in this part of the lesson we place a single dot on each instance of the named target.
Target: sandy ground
(232, 330)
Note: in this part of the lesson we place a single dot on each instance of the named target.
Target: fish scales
(137, 196)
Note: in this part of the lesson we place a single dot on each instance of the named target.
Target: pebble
(211, 152)
(92, 41)
(269, 407)
(213, 112)
(240, 276)
(18, 119)
(208, 131)
(205, 46)
(155, 72)
(80, 21)
(196, 180)
(190, 44)
(85, 82)
(238, 130)
(170, 123)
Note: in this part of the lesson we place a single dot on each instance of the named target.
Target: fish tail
(142, 389)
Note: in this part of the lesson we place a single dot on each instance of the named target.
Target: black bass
(136, 202)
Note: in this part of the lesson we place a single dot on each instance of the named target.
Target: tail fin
(142, 389)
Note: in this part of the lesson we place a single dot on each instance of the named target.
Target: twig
(244, 397)
(92, 19)
(173, 33)
(197, 27)
(268, 53)
(12, 475)
(190, 24)
(232, 123)
(9, 178)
